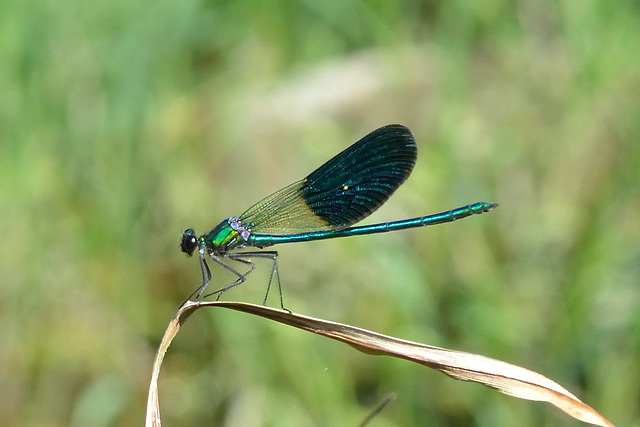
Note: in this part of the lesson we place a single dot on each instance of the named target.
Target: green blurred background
(125, 122)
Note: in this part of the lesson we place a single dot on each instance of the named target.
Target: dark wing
(341, 192)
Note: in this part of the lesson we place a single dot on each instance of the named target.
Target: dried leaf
(504, 377)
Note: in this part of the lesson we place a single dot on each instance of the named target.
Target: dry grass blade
(379, 407)
(153, 405)
(509, 379)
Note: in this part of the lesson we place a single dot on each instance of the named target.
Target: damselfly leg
(244, 258)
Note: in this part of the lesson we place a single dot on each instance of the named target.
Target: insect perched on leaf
(324, 205)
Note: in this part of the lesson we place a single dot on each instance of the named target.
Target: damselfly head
(189, 242)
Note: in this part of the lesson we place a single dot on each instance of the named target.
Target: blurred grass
(125, 122)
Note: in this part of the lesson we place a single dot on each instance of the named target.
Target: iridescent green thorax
(227, 235)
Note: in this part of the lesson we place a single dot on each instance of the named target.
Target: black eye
(189, 242)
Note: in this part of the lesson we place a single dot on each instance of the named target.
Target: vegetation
(123, 123)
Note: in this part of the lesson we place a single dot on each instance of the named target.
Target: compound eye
(189, 242)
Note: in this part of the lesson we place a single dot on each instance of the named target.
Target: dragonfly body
(326, 204)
